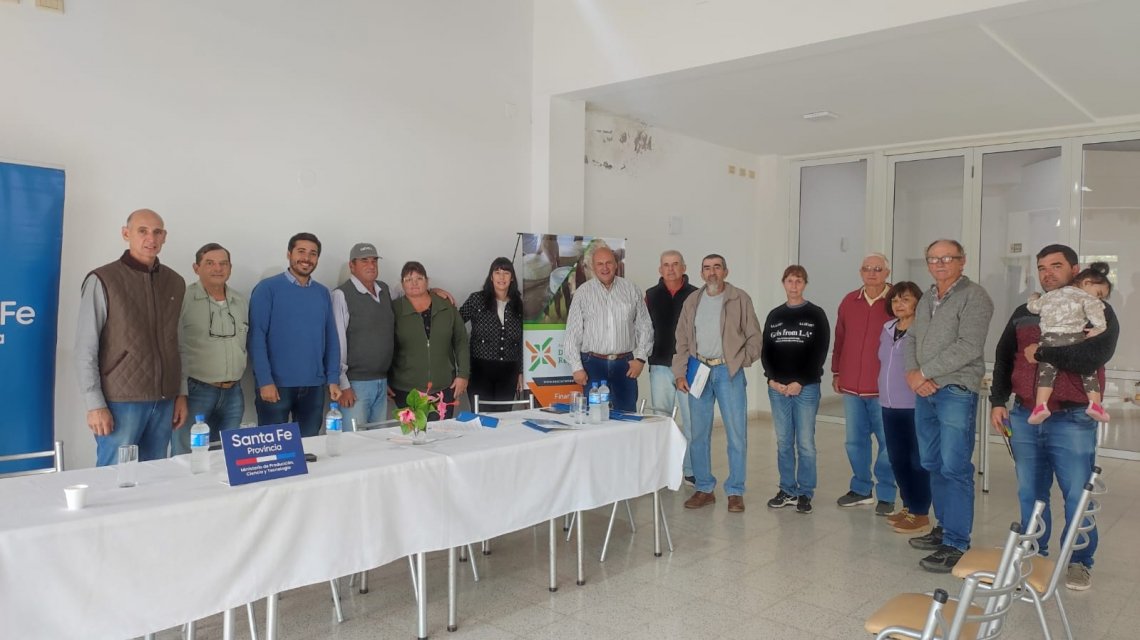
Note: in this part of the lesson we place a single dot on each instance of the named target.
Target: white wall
(639, 176)
(404, 124)
(588, 43)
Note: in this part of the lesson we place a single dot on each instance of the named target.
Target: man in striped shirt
(608, 333)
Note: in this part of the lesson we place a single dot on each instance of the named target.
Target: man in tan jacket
(719, 329)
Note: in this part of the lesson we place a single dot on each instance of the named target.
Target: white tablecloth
(180, 547)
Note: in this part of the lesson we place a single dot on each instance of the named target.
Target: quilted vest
(138, 348)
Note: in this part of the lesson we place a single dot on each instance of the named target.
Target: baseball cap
(363, 250)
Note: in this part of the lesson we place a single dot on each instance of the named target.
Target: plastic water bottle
(595, 404)
(604, 400)
(334, 422)
(199, 445)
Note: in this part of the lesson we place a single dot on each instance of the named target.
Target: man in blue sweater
(293, 341)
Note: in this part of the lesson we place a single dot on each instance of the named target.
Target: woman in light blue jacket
(897, 402)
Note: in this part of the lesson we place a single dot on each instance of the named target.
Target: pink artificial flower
(441, 408)
(407, 416)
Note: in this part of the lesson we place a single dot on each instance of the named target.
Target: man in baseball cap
(362, 307)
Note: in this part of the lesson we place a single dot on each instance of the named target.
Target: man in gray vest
(126, 346)
(365, 324)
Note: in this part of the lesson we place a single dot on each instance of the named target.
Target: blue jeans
(731, 393)
(665, 395)
(222, 408)
(371, 402)
(147, 424)
(794, 420)
(864, 418)
(946, 425)
(902, 445)
(304, 404)
(1065, 445)
(623, 389)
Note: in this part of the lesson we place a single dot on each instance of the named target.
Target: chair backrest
(524, 403)
(1077, 537)
(986, 598)
(56, 454)
(644, 409)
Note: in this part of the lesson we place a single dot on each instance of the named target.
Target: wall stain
(618, 148)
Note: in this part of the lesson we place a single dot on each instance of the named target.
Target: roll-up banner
(551, 268)
(31, 224)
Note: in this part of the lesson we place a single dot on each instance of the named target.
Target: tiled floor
(760, 574)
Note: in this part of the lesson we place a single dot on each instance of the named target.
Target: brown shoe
(897, 516)
(913, 524)
(735, 504)
(699, 500)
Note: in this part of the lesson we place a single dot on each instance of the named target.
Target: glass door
(1110, 232)
(831, 245)
(1022, 210)
(927, 202)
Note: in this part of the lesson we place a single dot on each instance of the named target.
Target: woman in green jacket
(431, 343)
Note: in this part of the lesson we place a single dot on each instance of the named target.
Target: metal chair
(642, 409)
(510, 405)
(56, 454)
(1048, 573)
(980, 610)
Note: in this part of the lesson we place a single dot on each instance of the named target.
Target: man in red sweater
(855, 369)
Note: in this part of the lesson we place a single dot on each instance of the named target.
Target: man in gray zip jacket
(945, 366)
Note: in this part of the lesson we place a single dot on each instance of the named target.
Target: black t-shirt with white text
(796, 340)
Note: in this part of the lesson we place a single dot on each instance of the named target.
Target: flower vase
(419, 436)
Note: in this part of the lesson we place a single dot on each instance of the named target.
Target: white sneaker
(1078, 577)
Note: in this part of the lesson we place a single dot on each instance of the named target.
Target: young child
(1064, 314)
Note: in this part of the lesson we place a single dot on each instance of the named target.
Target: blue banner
(31, 224)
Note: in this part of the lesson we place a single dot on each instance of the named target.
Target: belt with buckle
(628, 355)
(712, 362)
(228, 384)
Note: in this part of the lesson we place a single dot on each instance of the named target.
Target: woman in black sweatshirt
(796, 339)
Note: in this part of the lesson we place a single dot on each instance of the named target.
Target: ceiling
(1044, 66)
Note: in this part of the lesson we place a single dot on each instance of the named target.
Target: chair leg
(567, 522)
(1064, 617)
(363, 582)
(629, 512)
(1038, 605)
(665, 526)
(252, 620)
(474, 569)
(569, 529)
(486, 547)
(336, 600)
(609, 530)
(190, 630)
(463, 554)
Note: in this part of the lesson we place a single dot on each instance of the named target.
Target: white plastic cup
(76, 496)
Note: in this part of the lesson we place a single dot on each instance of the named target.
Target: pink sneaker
(1097, 412)
(1039, 415)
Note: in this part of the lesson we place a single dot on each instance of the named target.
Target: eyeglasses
(415, 279)
(942, 259)
(221, 320)
(872, 269)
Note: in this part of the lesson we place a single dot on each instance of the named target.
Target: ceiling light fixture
(819, 116)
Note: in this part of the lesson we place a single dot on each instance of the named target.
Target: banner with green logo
(551, 268)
